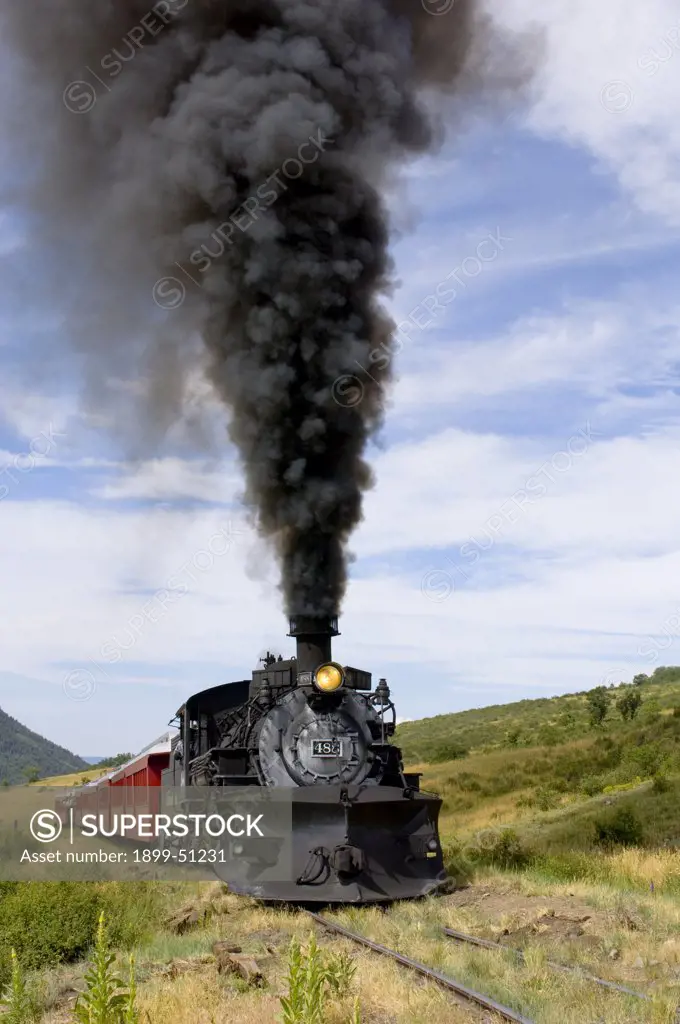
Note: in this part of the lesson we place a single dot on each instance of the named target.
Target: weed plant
(313, 978)
(107, 999)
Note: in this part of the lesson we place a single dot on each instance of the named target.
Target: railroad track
(473, 940)
(464, 991)
(441, 979)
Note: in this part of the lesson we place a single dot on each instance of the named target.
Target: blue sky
(523, 537)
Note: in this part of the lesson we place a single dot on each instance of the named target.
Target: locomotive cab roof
(217, 698)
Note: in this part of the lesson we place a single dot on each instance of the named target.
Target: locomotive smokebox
(313, 636)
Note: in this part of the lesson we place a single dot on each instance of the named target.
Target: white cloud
(172, 594)
(595, 496)
(608, 82)
(564, 631)
(174, 478)
(33, 415)
(79, 576)
(593, 345)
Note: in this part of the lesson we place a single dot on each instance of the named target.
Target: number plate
(326, 748)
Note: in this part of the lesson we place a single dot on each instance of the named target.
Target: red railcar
(134, 788)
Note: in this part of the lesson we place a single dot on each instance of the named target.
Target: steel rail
(488, 944)
(429, 972)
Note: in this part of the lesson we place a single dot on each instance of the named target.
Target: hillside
(22, 750)
(545, 722)
(74, 778)
(546, 782)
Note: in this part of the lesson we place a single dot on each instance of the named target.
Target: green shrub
(546, 798)
(499, 849)
(650, 710)
(628, 704)
(567, 866)
(50, 923)
(508, 851)
(592, 785)
(598, 701)
(456, 862)
(622, 828)
(645, 759)
(661, 784)
(451, 751)
(469, 783)
(548, 736)
(132, 909)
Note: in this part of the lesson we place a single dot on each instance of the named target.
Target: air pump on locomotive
(362, 830)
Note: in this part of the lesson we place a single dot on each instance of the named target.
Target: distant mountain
(93, 760)
(23, 752)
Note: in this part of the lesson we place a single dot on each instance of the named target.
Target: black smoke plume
(208, 176)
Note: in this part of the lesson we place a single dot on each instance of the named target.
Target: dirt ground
(565, 918)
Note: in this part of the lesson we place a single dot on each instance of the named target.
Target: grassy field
(630, 938)
(567, 847)
(76, 779)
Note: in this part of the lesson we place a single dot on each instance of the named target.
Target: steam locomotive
(315, 733)
(362, 830)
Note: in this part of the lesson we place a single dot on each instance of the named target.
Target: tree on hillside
(666, 674)
(31, 774)
(114, 762)
(20, 749)
(598, 705)
(628, 705)
(640, 679)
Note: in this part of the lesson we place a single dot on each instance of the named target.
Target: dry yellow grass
(642, 929)
(644, 932)
(646, 958)
(76, 779)
(497, 811)
(203, 998)
(386, 992)
(646, 866)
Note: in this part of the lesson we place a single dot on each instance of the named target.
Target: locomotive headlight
(329, 677)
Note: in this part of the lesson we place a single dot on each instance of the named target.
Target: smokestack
(313, 636)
